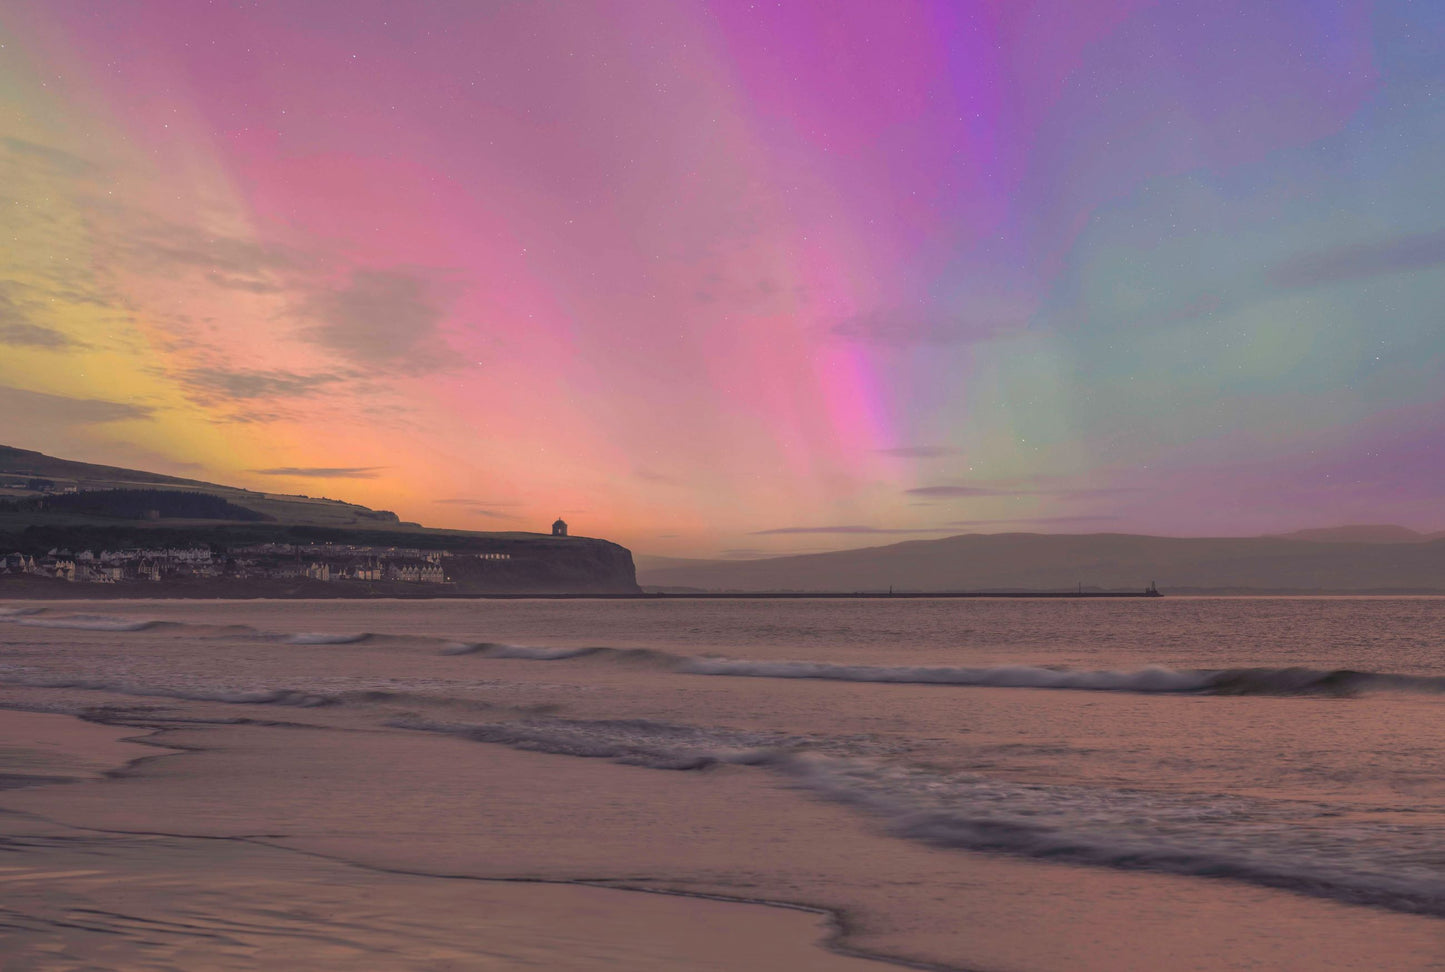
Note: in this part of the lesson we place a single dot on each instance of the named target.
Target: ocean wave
(292, 697)
(1251, 841)
(491, 649)
(1003, 676)
(1265, 843)
(85, 622)
(1153, 679)
(412, 697)
(496, 649)
(323, 638)
(634, 742)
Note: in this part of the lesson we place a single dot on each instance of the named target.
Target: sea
(1289, 744)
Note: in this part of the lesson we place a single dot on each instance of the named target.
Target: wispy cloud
(251, 285)
(983, 313)
(1036, 521)
(323, 472)
(919, 452)
(32, 336)
(960, 491)
(1373, 259)
(382, 319)
(902, 328)
(213, 383)
(852, 528)
(152, 244)
(57, 160)
(22, 405)
(464, 501)
(17, 330)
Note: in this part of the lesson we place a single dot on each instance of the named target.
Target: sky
(738, 279)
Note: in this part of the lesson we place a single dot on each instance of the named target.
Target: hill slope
(119, 508)
(23, 463)
(18, 467)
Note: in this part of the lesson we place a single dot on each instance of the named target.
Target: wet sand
(512, 785)
(265, 846)
(84, 887)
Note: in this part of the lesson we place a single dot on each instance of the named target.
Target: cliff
(49, 504)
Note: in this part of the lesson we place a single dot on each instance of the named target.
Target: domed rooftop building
(559, 528)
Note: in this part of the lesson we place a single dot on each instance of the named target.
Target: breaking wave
(322, 638)
(1340, 682)
(1154, 679)
(635, 742)
(1260, 842)
(237, 695)
(293, 697)
(494, 649)
(1253, 841)
(81, 622)
(491, 649)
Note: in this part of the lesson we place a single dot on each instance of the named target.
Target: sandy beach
(230, 795)
(140, 888)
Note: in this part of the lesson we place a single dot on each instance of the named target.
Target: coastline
(327, 592)
(159, 877)
(728, 872)
(328, 746)
(21, 588)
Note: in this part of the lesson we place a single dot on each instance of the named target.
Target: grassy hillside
(50, 503)
(22, 463)
(20, 468)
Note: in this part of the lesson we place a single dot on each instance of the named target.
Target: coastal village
(331, 563)
(326, 562)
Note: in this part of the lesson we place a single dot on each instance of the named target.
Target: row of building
(318, 562)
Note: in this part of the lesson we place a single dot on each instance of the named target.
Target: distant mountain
(1027, 561)
(1362, 533)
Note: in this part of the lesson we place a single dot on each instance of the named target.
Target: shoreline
(527, 785)
(101, 593)
(31, 735)
(58, 590)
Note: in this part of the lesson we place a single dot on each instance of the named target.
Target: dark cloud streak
(322, 472)
(919, 452)
(245, 385)
(1360, 261)
(22, 404)
(779, 531)
(17, 330)
(386, 319)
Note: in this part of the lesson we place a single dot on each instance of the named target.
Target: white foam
(85, 622)
(322, 638)
(1255, 841)
(1151, 679)
(242, 696)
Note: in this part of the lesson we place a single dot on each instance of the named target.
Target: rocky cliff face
(570, 565)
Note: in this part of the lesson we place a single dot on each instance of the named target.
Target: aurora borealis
(721, 278)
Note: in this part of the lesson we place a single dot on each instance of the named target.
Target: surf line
(837, 921)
